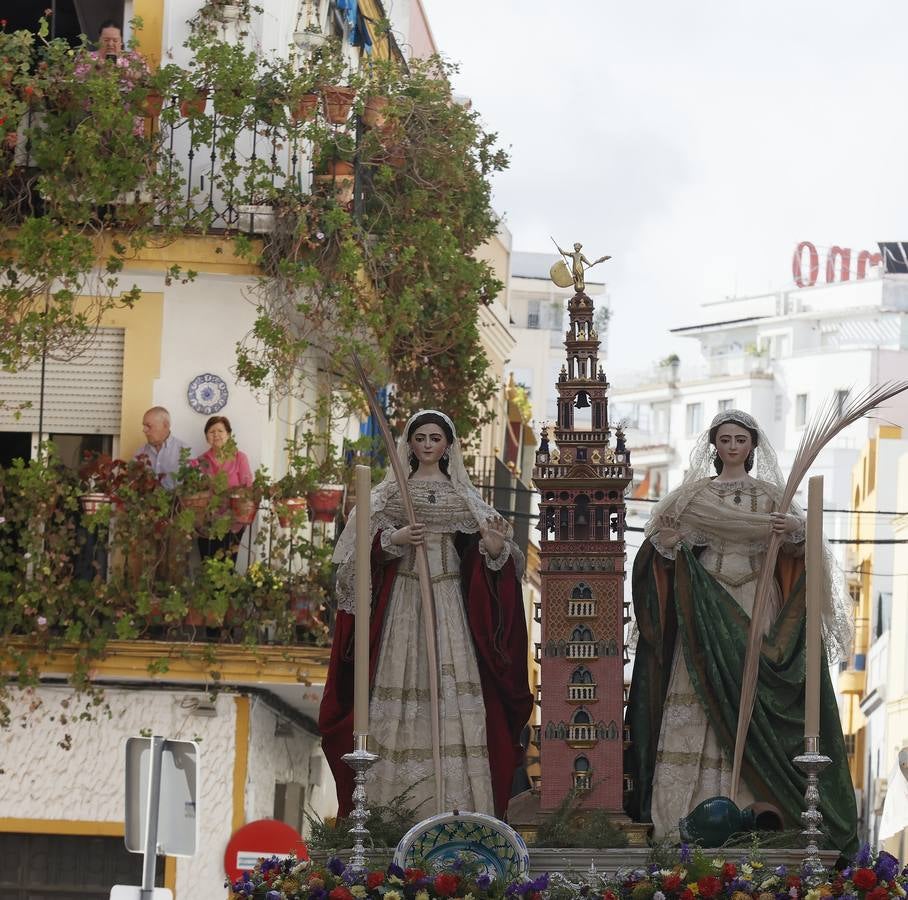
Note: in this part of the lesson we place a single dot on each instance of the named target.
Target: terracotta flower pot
(339, 167)
(154, 103)
(243, 508)
(338, 101)
(305, 108)
(194, 105)
(374, 111)
(198, 503)
(92, 502)
(289, 510)
(325, 501)
(341, 185)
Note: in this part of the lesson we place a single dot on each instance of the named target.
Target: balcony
(83, 573)
(581, 609)
(580, 693)
(582, 650)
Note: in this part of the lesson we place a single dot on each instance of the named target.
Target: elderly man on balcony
(162, 449)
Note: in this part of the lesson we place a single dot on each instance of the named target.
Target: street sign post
(162, 778)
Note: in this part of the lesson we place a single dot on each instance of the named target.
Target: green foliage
(569, 825)
(53, 602)
(387, 824)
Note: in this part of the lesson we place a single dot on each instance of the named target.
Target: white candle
(363, 602)
(814, 562)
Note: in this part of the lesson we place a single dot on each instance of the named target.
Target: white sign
(178, 821)
(131, 892)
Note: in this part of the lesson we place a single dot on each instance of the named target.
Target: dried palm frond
(829, 420)
(425, 582)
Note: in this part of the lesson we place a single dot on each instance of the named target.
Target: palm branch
(829, 420)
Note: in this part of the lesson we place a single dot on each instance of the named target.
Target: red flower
(687, 894)
(414, 874)
(878, 893)
(709, 886)
(374, 879)
(609, 895)
(340, 893)
(793, 881)
(671, 882)
(446, 884)
(864, 879)
(729, 871)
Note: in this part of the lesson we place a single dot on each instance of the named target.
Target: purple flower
(541, 883)
(483, 882)
(886, 866)
(273, 895)
(781, 871)
(863, 857)
(396, 871)
(335, 866)
(685, 853)
(318, 894)
(512, 889)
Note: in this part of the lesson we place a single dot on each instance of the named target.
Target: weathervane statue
(579, 264)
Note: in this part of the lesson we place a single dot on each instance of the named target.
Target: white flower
(658, 896)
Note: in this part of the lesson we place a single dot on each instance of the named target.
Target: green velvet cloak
(680, 600)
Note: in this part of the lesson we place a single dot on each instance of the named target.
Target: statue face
(428, 443)
(733, 443)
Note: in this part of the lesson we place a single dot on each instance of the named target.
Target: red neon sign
(838, 264)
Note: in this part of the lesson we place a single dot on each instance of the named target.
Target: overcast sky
(696, 141)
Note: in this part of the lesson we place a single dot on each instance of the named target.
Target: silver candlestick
(812, 762)
(360, 760)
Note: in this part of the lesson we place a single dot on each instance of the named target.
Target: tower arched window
(581, 717)
(581, 591)
(582, 633)
(581, 675)
(581, 764)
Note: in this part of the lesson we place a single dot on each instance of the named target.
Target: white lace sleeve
(392, 551)
(496, 563)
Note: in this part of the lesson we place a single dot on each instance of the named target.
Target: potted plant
(194, 491)
(243, 505)
(99, 474)
(338, 101)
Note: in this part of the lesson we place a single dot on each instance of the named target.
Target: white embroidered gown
(691, 765)
(399, 708)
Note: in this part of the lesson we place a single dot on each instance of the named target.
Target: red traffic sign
(264, 837)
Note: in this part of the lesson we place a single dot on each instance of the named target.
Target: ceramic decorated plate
(488, 842)
(207, 394)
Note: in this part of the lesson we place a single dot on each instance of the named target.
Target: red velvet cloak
(497, 622)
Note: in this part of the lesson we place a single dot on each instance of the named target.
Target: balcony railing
(90, 568)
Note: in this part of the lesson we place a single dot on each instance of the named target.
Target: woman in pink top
(222, 456)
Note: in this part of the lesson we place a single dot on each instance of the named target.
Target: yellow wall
(142, 326)
(151, 12)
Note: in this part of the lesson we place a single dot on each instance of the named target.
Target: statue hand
(409, 534)
(784, 523)
(493, 532)
(668, 533)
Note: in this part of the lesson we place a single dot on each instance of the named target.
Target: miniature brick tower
(581, 481)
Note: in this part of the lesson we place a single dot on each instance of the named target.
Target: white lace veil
(344, 550)
(701, 522)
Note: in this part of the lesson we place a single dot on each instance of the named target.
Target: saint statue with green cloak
(694, 582)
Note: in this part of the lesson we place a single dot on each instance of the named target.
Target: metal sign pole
(150, 857)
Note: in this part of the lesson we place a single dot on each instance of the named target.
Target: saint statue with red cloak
(481, 637)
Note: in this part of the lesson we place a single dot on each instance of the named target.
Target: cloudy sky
(696, 141)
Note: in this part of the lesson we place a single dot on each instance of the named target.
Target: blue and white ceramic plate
(207, 394)
(494, 847)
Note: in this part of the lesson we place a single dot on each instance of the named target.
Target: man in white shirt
(163, 449)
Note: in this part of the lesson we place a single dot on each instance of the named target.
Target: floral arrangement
(692, 877)
(696, 876)
(289, 878)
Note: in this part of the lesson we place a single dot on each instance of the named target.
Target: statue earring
(446, 455)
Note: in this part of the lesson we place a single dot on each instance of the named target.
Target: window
(840, 398)
(693, 419)
(533, 314)
(800, 410)
(726, 404)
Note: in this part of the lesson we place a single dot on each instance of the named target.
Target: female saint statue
(481, 635)
(693, 585)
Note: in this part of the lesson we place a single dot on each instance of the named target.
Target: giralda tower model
(581, 480)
